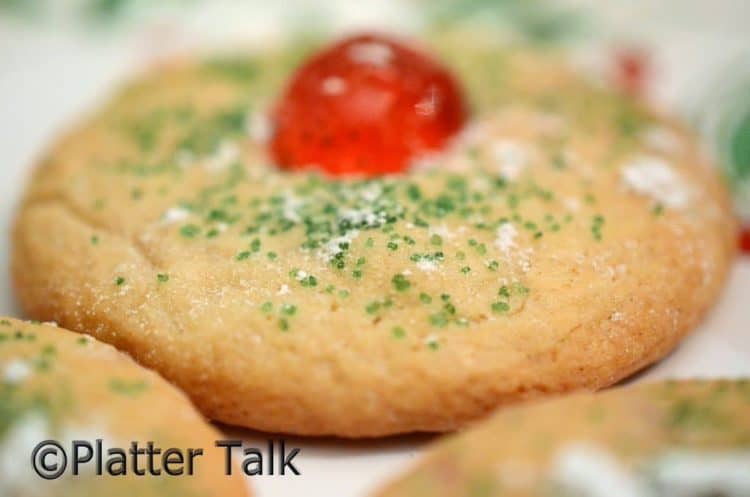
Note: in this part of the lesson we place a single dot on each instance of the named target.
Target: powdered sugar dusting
(16, 474)
(291, 205)
(506, 241)
(506, 238)
(175, 215)
(225, 156)
(16, 371)
(442, 230)
(662, 139)
(334, 246)
(512, 158)
(259, 127)
(427, 265)
(366, 217)
(591, 471)
(587, 469)
(655, 178)
(283, 290)
(695, 473)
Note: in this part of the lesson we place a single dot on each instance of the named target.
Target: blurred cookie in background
(678, 438)
(58, 388)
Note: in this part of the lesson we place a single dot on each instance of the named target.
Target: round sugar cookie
(568, 238)
(61, 386)
(686, 438)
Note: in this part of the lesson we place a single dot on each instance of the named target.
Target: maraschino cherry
(367, 105)
(745, 240)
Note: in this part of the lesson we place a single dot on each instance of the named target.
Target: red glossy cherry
(366, 105)
(745, 240)
(632, 71)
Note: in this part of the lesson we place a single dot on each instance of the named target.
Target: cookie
(62, 386)
(686, 438)
(566, 239)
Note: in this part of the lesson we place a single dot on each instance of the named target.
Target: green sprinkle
(500, 307)
(162, 277)
(436, 240)
(42, 364)
(559, 162)
(418, 221)
(119, 281)
(271, 256)
(309, 281)
(357, 274)
(289, 309)
(283, 324)
(130, 389)
(400, 283)
(597, 414)
(94, 240)
(245, 254)
(597, 224)
(439, 319)
(433, 345)
(521, 290)
(414, 193)
(426, 299)
(83, 340)
(398, 332)
(372, 307)
(343, 293)
(190, 230)
(392, 246)
(466, 270)
(267, 307)
(692, 415)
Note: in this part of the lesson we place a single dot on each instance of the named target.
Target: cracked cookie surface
(568, 238)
